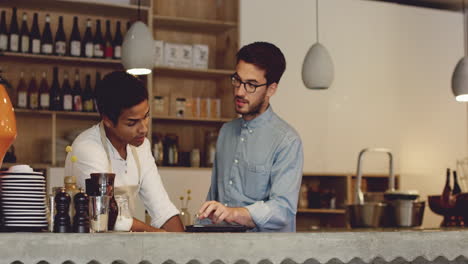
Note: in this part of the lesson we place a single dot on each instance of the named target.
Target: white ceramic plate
(32, 199)
(43, 217)
(22, 184)
(22, 203)
(26, 221)
(22, 177)
(27, 206)
(24, 192)
(32, 195)
(22, 188)
(27, 225)
(22, 180)
(24, 212)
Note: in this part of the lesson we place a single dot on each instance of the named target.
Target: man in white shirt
(118, 144)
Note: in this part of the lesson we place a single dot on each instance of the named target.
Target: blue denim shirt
(258, 165)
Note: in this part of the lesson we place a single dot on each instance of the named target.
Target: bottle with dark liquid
(447, 192)
(98, 41)
(55, 94)
(3, 32)
(24, 35)
(88, 103)
(46, 40)
(14, 33)
(108, 43)
(98, 80)
(88, 43)
(76, 92)
(118, 39)
(35, 37)
(44, 98)
(75, 39)
(22, 93)
(456, 187)
(67, 96)
(33, 93)
(60, 39)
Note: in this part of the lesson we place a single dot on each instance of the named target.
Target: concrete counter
(396, 247)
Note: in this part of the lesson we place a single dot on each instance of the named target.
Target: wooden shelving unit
(190, 72)
(193, 24)
(58, 59)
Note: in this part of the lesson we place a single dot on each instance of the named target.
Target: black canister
(62, 217)
(81, 218)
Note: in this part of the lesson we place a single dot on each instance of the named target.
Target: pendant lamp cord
(317, 20)
(139, 15)
(464, 28)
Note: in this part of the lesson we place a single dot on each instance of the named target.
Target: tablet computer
(216, 228)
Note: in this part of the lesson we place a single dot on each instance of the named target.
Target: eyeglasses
(248, 86)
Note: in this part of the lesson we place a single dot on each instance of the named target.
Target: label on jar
(75, 48)
(45, 99)
(88, 105)
(98, 51)
(22, 99)
(47, 48)
(14, 42)
(36, 46)
(24, 43)
(89, 48)
(118, 52)
(77, 104)
(67, 102)
(60, 47)
(3, 42)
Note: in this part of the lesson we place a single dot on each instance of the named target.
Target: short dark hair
(118, 91)
(265, 56)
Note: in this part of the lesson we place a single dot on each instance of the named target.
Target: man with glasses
(258, 164)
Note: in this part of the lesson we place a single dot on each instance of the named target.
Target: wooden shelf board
(33, 165)
(81, 7)
(189, 72)
(321, 211)
(49, 58)
(192, 24)
(61, 113)
(193, 119)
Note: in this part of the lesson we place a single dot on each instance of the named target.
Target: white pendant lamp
(317, 68)
(460, 74)
(138, 48)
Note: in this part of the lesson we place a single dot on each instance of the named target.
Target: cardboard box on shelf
(171, 54)
(184, 58)
(215, 108)
(204, 107)
(196, 106)
(200, 56)
(160, 106)
(158, 53)
(177, 105)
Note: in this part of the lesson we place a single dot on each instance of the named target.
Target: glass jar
(124, 218)
(210, 140)
(195, 158)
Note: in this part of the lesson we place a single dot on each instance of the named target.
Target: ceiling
(454, 5)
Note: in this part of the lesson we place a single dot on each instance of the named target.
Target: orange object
(7, 123)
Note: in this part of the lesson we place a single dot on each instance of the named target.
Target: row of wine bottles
(59, 98)
(32, 41)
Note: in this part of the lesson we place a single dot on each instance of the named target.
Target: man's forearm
(139, 226)
(174, 224)
(242, 216)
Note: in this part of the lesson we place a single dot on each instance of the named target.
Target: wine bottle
(447, 192)
(98, 80)
(67, 96)
(46, 41)
(60, 39)
(14, 33)
(456, 187)
(44, 98)
(88, 104)
(24, 35)
(98, 41)
(3, 33)
(22, 93)
(118, 39)
(75, 39)
(88, 44)
(76, 92)
(33, 93)
(35, 37)
(108, 42)
(55, 94)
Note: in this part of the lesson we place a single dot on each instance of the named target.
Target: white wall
(393, 67)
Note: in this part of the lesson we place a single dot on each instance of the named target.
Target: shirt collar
(259, 120)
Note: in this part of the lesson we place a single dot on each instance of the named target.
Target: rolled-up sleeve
(286, 174)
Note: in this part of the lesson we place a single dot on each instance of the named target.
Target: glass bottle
(14, 33)
(60, 39)
(124, 219)
(211, 138)
(22, 93)
(171, 153)
(75, 39)
(76, 92)
(44, 97)
(88, 45)
(87, 98)
(118, 39)
(46, 40)
(55, 94)
(33, 93)
(35, 38)
(447, 192)
(67, 96)
(456, 186)
(108, 42)
(3, 32)
(98, 41)
(24, 35)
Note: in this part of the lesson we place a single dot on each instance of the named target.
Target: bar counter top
(336, 247)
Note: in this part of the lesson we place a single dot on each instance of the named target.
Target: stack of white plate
(23, 198)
